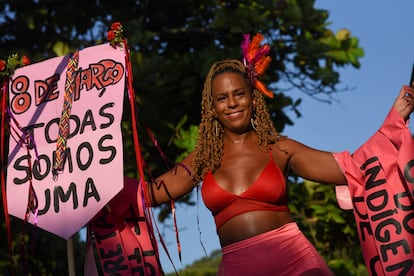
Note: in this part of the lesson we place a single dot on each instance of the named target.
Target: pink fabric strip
(381, 191)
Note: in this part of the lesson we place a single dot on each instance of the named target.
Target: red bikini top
(268, 192)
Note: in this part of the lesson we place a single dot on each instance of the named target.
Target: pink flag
(123, 237)
(381, 193)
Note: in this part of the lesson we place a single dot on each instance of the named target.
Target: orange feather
(262, 88)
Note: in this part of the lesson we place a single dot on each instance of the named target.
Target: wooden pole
(71, 257)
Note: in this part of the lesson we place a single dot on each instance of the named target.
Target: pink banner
(122, 237)
(380, 179)
(93, 170)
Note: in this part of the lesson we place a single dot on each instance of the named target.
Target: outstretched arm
(172, 184)
(321, 166)
(312, 164)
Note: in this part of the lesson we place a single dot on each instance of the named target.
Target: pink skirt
(283, 251)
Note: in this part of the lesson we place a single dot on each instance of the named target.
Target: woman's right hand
(404, 103)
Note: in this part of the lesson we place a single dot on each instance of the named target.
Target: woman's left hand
(404, 103)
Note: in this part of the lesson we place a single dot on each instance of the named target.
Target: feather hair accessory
(256, 60)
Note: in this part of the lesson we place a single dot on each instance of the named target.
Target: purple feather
(245, 46)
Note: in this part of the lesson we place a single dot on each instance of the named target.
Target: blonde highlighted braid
(209, 148)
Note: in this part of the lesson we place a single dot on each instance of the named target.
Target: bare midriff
(251, 224)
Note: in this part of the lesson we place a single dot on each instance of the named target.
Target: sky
(384, 29)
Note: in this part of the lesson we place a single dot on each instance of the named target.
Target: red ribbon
(4, 93)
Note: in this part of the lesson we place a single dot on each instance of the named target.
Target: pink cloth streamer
(123, 239)
(380, 192)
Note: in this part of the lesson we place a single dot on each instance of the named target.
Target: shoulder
(287, 148)
(286, 145)
(189, 161)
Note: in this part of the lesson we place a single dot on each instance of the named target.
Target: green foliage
(185, 139)
(37, 252)
(207, 266)
(332, 230)
(12, 62)
(344, 48)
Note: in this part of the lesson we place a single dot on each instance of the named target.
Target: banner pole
(71, 257)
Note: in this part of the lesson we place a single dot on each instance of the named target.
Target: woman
(244, 163)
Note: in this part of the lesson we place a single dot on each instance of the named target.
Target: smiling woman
(244, 163)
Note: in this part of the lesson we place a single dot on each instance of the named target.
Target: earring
(253, 119)
(253, 123)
